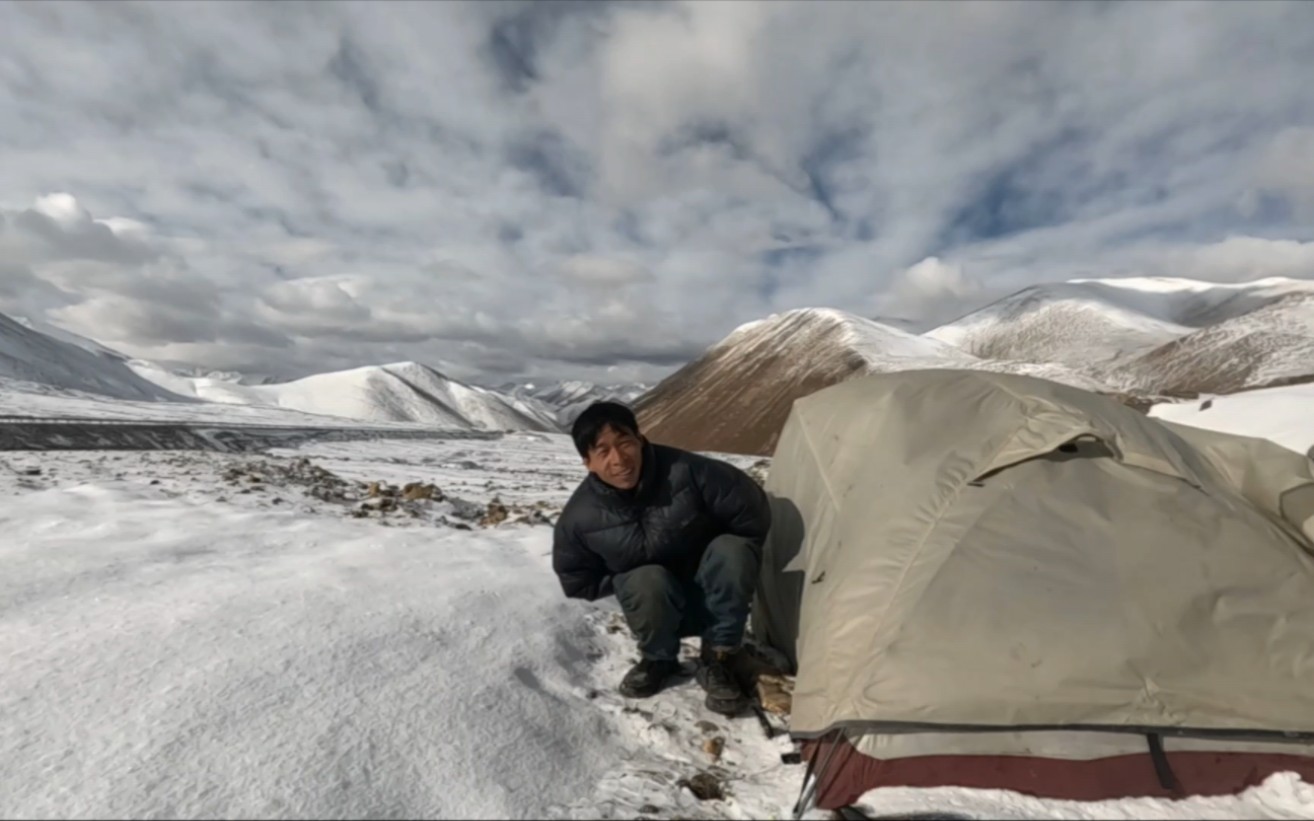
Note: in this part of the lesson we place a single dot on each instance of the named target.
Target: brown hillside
(737, 396)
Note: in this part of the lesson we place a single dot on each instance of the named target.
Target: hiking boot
(724, 694)
(647, 678)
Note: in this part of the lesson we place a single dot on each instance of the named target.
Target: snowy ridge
(1270, 345)
(71, 362)
(567, 400)
(1151, 336)
(1067, 323)
(399, 392)
(1193, 302)
(809, 336)
(736, 397)
(62, 335)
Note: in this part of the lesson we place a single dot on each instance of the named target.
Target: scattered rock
(758, 471)
(417, 491)
(714, 747)
(31, 471)
(496, 514)
(704, 786)
(467, 510)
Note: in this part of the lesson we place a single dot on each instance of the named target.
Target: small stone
(36, 472)
(704, 786)
(155, 481)
(497, 513)
(714, 747)
(707, 727)
(418, 491)
(649, 809)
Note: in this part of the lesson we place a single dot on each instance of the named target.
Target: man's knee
(645, 586)
(730, 558)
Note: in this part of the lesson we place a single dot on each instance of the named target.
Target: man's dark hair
(589, 424)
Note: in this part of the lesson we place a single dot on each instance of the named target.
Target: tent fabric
(963, 551)
(850, 772)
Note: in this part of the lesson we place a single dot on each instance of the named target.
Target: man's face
(617, 458)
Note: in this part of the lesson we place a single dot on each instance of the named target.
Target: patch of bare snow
(1283, 415)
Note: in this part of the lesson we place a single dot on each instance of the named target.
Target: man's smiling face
(616, 458)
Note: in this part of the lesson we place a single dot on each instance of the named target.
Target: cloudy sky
(590, 190)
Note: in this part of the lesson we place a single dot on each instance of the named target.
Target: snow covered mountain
(1091, 323)
(1072, 323)
(236, 377)
(737, 396)
(56, 358)
(1269, 346)
(567, 400)
(399, 392)
(1153, 336)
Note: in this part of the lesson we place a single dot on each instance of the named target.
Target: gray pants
(661, 608)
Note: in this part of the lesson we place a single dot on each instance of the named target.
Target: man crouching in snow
(676, 536)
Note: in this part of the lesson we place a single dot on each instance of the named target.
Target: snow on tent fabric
(996, 581)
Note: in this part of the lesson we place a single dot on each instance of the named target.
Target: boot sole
(727, 706)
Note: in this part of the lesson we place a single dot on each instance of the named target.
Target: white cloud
(564, 189)
(594, 270)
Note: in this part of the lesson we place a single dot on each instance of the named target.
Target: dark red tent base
(849, 774)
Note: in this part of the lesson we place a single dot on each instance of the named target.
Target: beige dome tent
(991, 580)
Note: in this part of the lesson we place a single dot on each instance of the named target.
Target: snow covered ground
(178, 644)
(1285, 415)
(214, 635)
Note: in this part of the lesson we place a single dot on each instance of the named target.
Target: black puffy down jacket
(682, 502)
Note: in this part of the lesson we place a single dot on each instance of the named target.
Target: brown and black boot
(724, 695)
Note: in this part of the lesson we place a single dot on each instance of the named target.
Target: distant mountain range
(567, 400)
(1141, 340)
